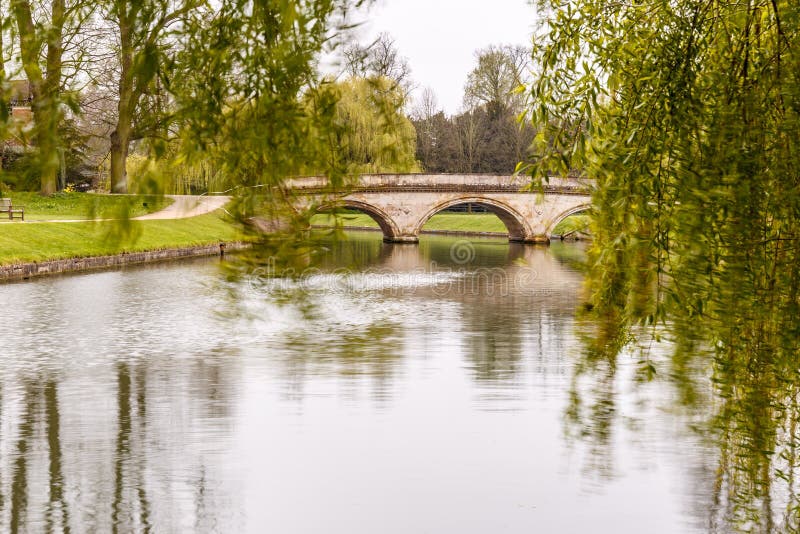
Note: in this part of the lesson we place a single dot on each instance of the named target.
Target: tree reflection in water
(19, 484)
(40, 415)
(740, 394)
(124, 490)
(57, 507)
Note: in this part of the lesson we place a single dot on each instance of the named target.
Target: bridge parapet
(435, 183)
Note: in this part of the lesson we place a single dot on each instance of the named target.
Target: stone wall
(22, 271)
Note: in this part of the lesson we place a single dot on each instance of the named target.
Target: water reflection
(734, 397)
(394, 389)
(57, 513)
(19, 484)
(505, 298)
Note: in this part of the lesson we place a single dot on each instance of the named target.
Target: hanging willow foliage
(239, 84)
(686, 115)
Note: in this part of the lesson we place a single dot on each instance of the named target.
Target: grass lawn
(466, 222)
(86, 206)
(347, 219)
(461, 222)
(574, 223)
(23, 242)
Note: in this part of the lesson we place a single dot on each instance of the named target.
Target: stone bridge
(401, 204)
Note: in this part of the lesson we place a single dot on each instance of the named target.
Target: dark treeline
(476, 141)
(487, 137)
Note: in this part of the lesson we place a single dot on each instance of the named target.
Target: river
(395, 389)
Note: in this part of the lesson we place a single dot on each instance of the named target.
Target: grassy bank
(454, 222)
(21, 242)
(86, 206)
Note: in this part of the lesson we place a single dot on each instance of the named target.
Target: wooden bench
(7, 207)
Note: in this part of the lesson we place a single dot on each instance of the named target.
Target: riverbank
(24, 271)
(70, 232)
(22, 243)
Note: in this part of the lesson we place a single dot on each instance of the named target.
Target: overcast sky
(439, 37)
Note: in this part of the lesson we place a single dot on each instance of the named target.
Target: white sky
(439, 37)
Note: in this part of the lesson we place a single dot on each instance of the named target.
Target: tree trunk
(45, 87)
(121, 136)
(119, 156)
(46, 117)
(4, 111)
(48, 169)
(51, 88)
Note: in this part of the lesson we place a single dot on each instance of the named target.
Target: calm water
(397, 389)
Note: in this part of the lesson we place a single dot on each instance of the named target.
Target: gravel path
(185, 206)
(182, 207)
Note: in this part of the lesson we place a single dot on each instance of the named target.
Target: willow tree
(238, 85)
(686, 114)
(372, 133)
(240, 76)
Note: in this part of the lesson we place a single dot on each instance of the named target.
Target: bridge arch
(566, 213)
(518, 228)
(388, 226)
